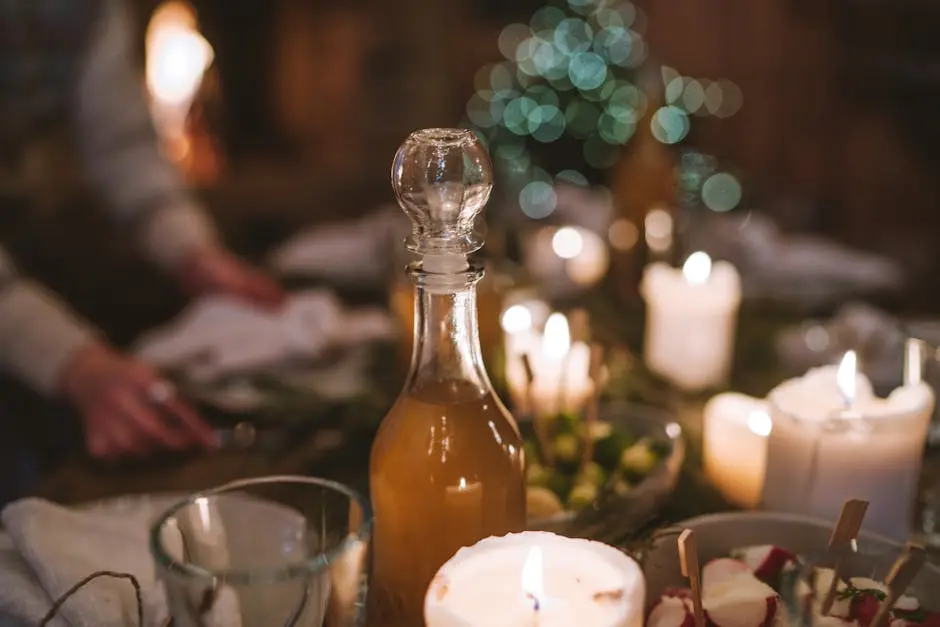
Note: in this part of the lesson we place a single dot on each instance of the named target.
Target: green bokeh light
(583, 7)
(573, 177)
(516, 115)
(669, 124)
(546, 18)
(501, 78)
(615, 129)
(573, 36)
(582, 118)
(721, 192)
(587, 71)
(547, 123)
(542, 94)
(537, 199)
(478, 112)
(613, 43)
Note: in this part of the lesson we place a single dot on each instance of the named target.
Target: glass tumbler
(267, 552)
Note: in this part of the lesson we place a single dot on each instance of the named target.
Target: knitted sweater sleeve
(38, 332)
(121, 151)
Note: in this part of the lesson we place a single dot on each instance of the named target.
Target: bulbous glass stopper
(442, 178)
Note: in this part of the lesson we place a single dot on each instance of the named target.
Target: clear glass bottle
(447, 466)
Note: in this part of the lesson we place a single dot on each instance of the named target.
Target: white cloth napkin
(804, 268)
(219, 335)
(50, 548)
(354, 252)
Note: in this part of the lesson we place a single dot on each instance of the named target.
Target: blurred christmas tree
(565, 98)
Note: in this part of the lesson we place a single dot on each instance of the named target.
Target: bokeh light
(623, 234)
(567, 242)
(721, 192)
(538, 200)
(572, 177)
(670, 124)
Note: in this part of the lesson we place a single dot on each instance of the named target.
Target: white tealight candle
(735, 429)
(690, 320)
(536, 579)
(560, 369)
(833, 439)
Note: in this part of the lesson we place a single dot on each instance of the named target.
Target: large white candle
(833, 439)
(691, 316)
(734, 432)
(536, 579)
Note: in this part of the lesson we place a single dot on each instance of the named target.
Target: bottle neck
(447, 343)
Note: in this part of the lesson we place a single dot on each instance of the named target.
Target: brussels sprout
(566, 423)
(566, 448)
(558, 483)
(536, 474)
(582, 495)
(607, 450)
(592, 473)
(638, 460)
(598, 430)
(620, 486)
(542, 502)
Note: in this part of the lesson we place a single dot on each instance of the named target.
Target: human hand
(126, 408)
(216, 271)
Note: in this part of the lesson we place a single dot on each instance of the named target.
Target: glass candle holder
(268, 551)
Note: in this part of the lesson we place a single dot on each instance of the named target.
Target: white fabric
(354, 252)
(219, 335)
(50, 548)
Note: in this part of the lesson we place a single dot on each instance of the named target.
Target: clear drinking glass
(274, 551)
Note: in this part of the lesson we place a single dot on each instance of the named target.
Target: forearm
(38, 333)
(122, 154)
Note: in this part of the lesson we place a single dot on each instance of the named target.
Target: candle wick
(535, 601)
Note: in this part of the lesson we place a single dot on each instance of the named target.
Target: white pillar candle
(536, 579)
(691, 316)
(833, 439)
(734, 433)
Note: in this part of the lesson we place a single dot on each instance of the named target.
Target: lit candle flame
(697, 268)
(557, 339)
(516, 319)
(532, 576)
(846, 377)
(759, 423)
(177, 58)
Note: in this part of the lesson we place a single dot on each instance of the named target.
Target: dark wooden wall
(840, 109)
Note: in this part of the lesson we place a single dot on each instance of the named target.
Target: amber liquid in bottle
(447, 463)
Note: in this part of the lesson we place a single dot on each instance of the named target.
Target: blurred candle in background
(177, 59)
(691, 317)
(734, 446)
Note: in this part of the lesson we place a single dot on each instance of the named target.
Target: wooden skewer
(538, 421)
(688, 561)
(844, 533)
(902, 574)
(592, 411)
